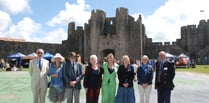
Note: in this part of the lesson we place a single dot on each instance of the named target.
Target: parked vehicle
(182, 62)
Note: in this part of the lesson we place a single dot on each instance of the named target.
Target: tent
(17, 55)
(168, 55)
(48, 56)
(182, 56)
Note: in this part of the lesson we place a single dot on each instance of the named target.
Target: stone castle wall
(9, 47)
(195, 40)
(120, 35)
(101, 35)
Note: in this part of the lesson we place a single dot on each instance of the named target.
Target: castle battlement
(97, 14)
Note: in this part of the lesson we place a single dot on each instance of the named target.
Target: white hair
(145, 57)
(93, 56)
(40, 50)
(162, 53)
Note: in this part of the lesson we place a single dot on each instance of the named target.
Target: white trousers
(144, 93)
(39, 94)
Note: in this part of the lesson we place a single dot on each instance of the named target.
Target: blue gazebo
(48, 56)
(17, 56)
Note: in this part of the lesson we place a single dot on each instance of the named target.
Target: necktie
(39, 64)
(160, 71)
(73, 69)
(161, 65)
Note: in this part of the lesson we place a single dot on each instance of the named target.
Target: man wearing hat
(72, 77)
(38, 69)
(56, 91)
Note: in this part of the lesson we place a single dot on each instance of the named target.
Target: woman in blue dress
(56, 86)
(126, 74)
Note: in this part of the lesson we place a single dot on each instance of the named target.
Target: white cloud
(78, 13)
(29, 30)
(25, 29)
(55, 36)
(136, 16)
(15, 6)
(5, 21)
(165, 23)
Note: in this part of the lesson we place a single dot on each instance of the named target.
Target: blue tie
(160, 71)
(161, 65)
(39, 64)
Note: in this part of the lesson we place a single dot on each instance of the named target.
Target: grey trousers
(39, 94)
(70, 92)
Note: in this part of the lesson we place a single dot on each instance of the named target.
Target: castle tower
(71, 28)
(97, 22)
(122, 30)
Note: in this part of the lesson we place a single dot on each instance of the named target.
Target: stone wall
(195, 40)
(9, 47)
(101, 35)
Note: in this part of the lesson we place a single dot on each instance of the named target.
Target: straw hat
(58, 55)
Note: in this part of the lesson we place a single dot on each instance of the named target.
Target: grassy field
(199, 69)
(15, 86)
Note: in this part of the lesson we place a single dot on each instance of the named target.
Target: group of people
(66, 75)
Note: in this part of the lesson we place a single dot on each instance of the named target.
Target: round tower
(97, 22)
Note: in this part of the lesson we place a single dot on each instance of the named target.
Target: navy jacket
(166, 77)
(70, 76)
(126, 75)
(145, 75)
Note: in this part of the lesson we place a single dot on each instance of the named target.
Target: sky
(47, 20)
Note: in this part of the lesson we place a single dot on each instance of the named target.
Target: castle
(119, 35)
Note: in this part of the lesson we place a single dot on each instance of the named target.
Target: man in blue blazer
(72, 78)
(165, 73)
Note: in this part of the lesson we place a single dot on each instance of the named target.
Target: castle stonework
(120, 35)
(195, 40)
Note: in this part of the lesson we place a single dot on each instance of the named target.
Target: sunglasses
(39, 52)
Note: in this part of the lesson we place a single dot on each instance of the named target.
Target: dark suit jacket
(166, 77)
(68, 77)
(126, 75)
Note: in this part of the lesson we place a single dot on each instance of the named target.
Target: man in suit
(165, 73)
(72, 77)
(38, 69)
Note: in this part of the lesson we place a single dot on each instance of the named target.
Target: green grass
(15, 88)
(199, 69)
